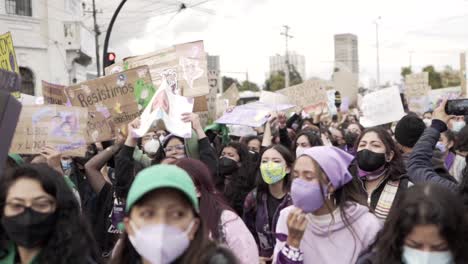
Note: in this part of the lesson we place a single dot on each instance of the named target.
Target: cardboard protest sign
(381, 107)
(184, 67)
(214, 83)
(231, 94)
(273, 98)
(252, 115)
(416, 91)
(61, 127)
(113, 101)
(8, 56)
(200, 104)
(54, 94)
(169, 107)
(10, 110)
(10, 81)
(307, 93)
(435, 97)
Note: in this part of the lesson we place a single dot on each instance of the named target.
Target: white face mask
(300, 151)
(427, 122)
(415, 256)
(160, 243)
(151, 146)
(457, 126)
(161, 138)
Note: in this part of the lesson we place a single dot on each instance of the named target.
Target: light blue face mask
(415, 256)
(66, 164)
(441, 146)
(457, 126)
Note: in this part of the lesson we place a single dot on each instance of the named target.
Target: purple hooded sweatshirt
(327, 239)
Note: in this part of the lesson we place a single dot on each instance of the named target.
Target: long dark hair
(424, 204)
(344, 197)
(125, 252)
(71, 240)
(262, 186)
(313, 137)
(243, 180)
(212, 203)
(396, 167)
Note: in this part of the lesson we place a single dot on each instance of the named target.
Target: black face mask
(351, 138)
(227, 166)
(30, 228)
(370, 161)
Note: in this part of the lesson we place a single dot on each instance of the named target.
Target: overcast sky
(244, 33)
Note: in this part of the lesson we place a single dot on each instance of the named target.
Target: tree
(450, 77)
(406, 71)
(228, 81)
(435, 79)
(248, 86)
(277, 80)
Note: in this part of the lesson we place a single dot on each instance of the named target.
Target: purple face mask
(307, 196)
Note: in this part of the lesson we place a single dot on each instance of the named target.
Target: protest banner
(184, 67)
(273, 98)
(252, 115)
(10, 81)
(54, 94)
(169, 107)
(8, 56)
(61, 127)
(113, 101)
(435, 97)
(231, 94)
(307, 93)
(241, 131)
(416, 91)
(10, 110)
(381, 107)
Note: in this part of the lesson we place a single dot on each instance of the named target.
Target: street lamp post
(108, 33)
(377, 46)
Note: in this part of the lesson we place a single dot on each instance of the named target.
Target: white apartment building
(277, 63)
(50, 40)
(346, 53)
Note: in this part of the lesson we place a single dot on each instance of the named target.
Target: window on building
(27, 81)
(19, 7)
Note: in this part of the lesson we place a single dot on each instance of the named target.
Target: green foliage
(248, 86)
(277, 80)
(435, 78)
(228, 81)
(406, 71)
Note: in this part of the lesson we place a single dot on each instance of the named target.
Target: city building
(213, 62)
(346, 53)
(50, 40)
(277, 63)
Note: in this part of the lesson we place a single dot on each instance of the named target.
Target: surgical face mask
(307, 196)
(66, 164)
(151, 146)
(161, 138)
(457, 126)
(272, 172)
(427, 122)
(160, 243)
(415, 256)
(441, 146)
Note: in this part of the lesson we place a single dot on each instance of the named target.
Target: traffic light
(111, 57)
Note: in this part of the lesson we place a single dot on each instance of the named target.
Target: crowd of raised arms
(303, 190)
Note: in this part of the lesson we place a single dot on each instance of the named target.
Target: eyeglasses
(15, 208)
(148, 137)
(176, 147)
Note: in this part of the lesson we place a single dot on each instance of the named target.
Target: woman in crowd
(222, 223)
(41, 219)
(461, 151)
(380, 173)
(427, 226)
(306, 139)
(237, 170)
(446, 147)
(263, 205)
(162, 223)
(327, 223)
(253, 143)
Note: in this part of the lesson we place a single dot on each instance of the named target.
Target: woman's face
(354, 128)
(26, 192)
(372, 142)
(305, 169)
(175, 148)
(272, 155)
(163, 206)
(444, 140)
(303, 141)
(231, 153)
(254, 145)
(426, 238)
(148, 136)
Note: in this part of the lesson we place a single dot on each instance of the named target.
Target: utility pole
(286, 59)
(377, 45)
(97, 32)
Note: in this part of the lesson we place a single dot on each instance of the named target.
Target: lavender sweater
(325, 241)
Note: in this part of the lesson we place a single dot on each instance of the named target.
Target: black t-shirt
(272, 205)
(105, 233)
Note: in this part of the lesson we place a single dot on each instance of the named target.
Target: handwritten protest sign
(113, 101)
(381, 107)
(231, 94)
(435, 97)
(54, 94)
(169, 107)
(273, 98)
(8, 56)
(184, 67)
(307, 93)
(61, 127)
(252, 115)
(416, 91)
(9, 81)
